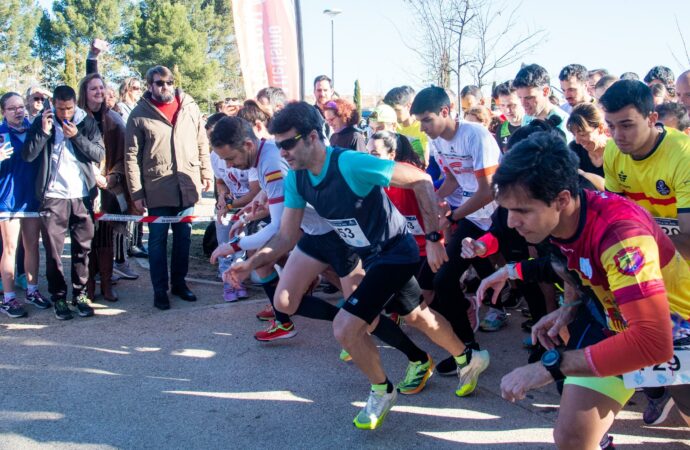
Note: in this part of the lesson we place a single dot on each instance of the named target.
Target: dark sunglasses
(38, 99)
(289, 143)
(161, 83)
(138, 88)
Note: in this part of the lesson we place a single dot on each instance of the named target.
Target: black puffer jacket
(87, 144)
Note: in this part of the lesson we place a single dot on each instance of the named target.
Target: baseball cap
(384, 114)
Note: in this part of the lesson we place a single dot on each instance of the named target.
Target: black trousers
(58, 217)
(449, 300)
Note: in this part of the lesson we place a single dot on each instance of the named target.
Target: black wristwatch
(551, 360)
(434, 236)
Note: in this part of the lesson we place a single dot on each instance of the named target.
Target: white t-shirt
(473, 152)
(236, 180)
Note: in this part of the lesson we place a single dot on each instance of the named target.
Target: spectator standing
(533, 86)
(166, 163)
(130, 93)
(109, 179)
(573, 78)
(400, 99)
(67, 144)
(509, 104)
(323, 93)
(272, 99)
(683, 88)
(342, 116)
(35, 98)
(16, 195)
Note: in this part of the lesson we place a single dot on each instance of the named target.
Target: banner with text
(266, 33)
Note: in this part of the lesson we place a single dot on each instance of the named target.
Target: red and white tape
(121, 217)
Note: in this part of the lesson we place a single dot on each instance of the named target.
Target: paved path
(193, 377)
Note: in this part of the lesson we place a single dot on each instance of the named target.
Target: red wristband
(491, 243)
(236, 246)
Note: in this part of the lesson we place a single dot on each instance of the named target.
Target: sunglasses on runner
(289, 143)
(161, 83)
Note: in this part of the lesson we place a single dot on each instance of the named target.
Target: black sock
(316, 308)
(473, 345)
(389, 385)
(655, 392)
(392, 335)
(270, 290)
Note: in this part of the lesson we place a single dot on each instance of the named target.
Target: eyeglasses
(161, 83)
(15, 109)
(38, 99)
(289, 143)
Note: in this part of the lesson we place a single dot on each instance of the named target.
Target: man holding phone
(68, 142)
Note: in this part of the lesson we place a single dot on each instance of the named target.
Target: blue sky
(619, 35)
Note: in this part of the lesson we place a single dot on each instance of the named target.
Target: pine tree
(357, 97)
(72, 27)
(18, 22)
(70, 77)
(163, 33)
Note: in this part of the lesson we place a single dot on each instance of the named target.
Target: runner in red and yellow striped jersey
(636, 273)
(646, 162)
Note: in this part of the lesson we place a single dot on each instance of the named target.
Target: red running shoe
(276, 331)
(266, 314)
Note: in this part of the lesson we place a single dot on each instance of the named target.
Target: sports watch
(512, 271)
(551, 360)
(434, 236)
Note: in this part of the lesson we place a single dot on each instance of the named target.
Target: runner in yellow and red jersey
(649, 164)
(617, 249)
(644, 161)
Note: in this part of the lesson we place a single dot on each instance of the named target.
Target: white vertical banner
(266, 34)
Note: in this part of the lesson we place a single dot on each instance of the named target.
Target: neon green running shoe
(468, 374)
(416, 376)
(345, 356)
(376, 409)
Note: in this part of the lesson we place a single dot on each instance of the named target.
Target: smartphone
(46, 105)
(101, 45)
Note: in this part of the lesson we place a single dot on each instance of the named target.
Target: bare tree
(434, 20)
(467, 37)
(497, 43)
(686, 54)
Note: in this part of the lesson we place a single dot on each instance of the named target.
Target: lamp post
(332, 13)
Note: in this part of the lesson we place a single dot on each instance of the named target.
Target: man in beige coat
(167, 163)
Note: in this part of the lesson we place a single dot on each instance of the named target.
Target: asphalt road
(193, 377)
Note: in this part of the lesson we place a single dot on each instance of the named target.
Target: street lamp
(332, 13)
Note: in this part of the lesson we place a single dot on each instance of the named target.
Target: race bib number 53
(350, 232)
(675, 371)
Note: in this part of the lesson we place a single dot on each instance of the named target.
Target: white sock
(9, 296)
(31, 288)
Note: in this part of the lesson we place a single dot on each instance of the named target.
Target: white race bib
(350, 232)
(669, 226)
(675, 371)
(413, 226)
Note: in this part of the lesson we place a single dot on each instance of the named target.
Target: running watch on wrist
(512, 271)
(434, 236)
(551, 360)
(234, 244)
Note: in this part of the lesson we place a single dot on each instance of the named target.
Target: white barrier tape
(121, 217)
